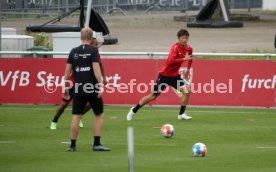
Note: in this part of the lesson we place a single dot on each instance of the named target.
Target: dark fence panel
(31, 8)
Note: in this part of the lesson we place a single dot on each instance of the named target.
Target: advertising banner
(214, 82)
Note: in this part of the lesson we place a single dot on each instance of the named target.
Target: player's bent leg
(145, 100)
(185, 89)
(60, 110)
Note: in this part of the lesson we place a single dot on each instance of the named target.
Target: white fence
(147, 55)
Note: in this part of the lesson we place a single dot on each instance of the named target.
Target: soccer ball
(167, 130)
(199, 149)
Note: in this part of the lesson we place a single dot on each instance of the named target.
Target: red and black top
(175, 60)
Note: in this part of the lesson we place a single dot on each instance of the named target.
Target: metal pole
(248, 5)
(187, 5)
(67, 8)
(275, 42)
(107, 6)
(223, 10)
(268, 57)
(130, 143)
(58, 7)
(44, 7)
(88, 12)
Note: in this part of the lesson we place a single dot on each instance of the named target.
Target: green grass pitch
(237, 140)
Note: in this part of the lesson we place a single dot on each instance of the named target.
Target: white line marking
(7, 141)
(123, 144)
(66, 143)
(167, 145)
(251, 111)
(266, 147)
(114, 117)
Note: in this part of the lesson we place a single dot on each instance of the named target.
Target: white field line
(159, 110)
(7, 141)
(264, 147)
(136, 144)
(124, 144)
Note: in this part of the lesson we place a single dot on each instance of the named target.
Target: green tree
(41, 39)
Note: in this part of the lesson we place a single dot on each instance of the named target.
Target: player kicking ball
(169, 75)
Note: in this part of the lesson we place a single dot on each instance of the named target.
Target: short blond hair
(86, 33)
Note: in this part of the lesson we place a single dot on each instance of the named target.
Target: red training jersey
(175, 60)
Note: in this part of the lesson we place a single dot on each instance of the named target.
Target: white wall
(65, 41)
(16, 43)
(8, 31)
(269, 4)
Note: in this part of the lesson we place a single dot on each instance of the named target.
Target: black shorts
(163, 81)
(71, 91)
(79, 103)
